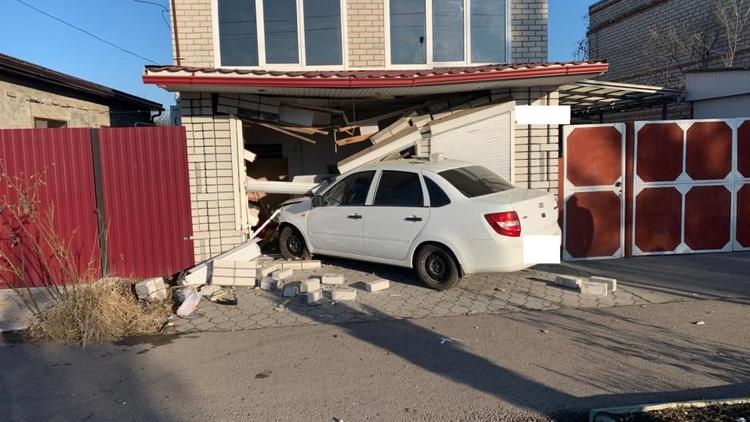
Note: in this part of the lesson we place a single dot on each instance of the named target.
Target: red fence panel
(65, 156)
(146, 200)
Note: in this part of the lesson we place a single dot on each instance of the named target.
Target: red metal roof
(184, 75)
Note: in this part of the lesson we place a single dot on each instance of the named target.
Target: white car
(445, 219)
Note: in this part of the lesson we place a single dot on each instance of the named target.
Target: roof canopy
(369, 83)
(588, 97)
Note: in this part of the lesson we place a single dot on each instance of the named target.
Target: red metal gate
(130, 184)
(742, 186)
(683, 187)
(594, 179)
(146, 200)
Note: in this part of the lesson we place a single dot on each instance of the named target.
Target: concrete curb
(603, 415)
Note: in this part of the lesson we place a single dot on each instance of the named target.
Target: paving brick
(314, 296)
(292, 265)
(591, 288)
(611, 282)
(342, 295)
(332, 279)
(282, 274)
(269, 284)
(377, 285)
(569, 282)
(152, 289)
(311, 265)
(291, 291)
(309, 285)
(269, 269)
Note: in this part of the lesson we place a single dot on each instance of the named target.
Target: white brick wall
(211, 172)
(366, 33)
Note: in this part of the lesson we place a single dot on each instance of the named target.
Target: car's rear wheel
(292, 244)
(437, 268)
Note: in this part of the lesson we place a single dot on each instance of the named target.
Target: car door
(396, 216)
(337, 225)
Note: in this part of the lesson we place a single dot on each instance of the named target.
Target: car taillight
(505, 223)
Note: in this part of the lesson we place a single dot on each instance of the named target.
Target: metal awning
(591, 98)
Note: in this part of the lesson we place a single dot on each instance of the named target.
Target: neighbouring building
(33, 96)
(719, 93)
(657, 42)
(286, 89)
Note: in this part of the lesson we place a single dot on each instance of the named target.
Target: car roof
(413, 165)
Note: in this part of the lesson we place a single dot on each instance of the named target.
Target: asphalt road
(514, 366)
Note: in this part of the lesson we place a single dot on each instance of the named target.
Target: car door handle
(354, 216)
(413, 218)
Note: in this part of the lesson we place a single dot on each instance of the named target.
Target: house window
(290, 32)
(488, 32)
(323, 32)
(282, 38)
(448, 31)
(238, 33)
(408, 31)
(40, 123)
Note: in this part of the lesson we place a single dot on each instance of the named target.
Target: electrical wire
(164, 11)
(111, 44)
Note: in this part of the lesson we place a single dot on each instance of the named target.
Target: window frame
(430, 63)
(301, 53)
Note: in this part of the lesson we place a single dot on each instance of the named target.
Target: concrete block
(569, 282)
(311, 265)
(269, 269)
(233, 281)
(332, 279)
(269, 284)
(342, 295)
(611, 282)
(291, 291)
(309, 285)
(314, 296)
(234, 273)
(377, 285)
(198, 277)
(591, 288)
(152, 289)
(282, 274)
(292, 265)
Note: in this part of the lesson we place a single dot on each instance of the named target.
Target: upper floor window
(448, 31)
(290, 32)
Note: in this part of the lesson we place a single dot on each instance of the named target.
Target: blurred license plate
(541, 249)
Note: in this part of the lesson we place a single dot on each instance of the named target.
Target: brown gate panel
(709, 151)
(594, 175)
(708, 215)
(659, 152)
(593, 223)
(743, 149)
(743, 216)
(594, 156)
(658, 219)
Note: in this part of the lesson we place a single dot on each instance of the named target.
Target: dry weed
(99, 312)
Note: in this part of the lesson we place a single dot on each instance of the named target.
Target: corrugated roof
(24, 69)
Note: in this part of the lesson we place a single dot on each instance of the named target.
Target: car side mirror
(317, 201)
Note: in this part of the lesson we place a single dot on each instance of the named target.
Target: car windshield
(475, 181)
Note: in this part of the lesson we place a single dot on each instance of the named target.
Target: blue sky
(139, 27)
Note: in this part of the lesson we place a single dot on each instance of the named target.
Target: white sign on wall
(543, 115)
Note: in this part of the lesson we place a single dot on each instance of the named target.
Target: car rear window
(475, 181)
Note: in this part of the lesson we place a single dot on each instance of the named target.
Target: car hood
(296, 205)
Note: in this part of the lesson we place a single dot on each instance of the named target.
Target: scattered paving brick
(332, 279)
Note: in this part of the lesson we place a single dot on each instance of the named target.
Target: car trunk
(535, 209)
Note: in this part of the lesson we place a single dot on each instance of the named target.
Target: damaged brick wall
(212, 185)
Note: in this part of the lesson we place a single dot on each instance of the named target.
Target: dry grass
(103, 311)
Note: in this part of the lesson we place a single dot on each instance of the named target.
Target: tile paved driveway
(406, 299)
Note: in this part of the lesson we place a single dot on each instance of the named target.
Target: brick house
(638, 38)
(313, 87)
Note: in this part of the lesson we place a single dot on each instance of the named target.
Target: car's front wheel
(292, 244)
(437, 268)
